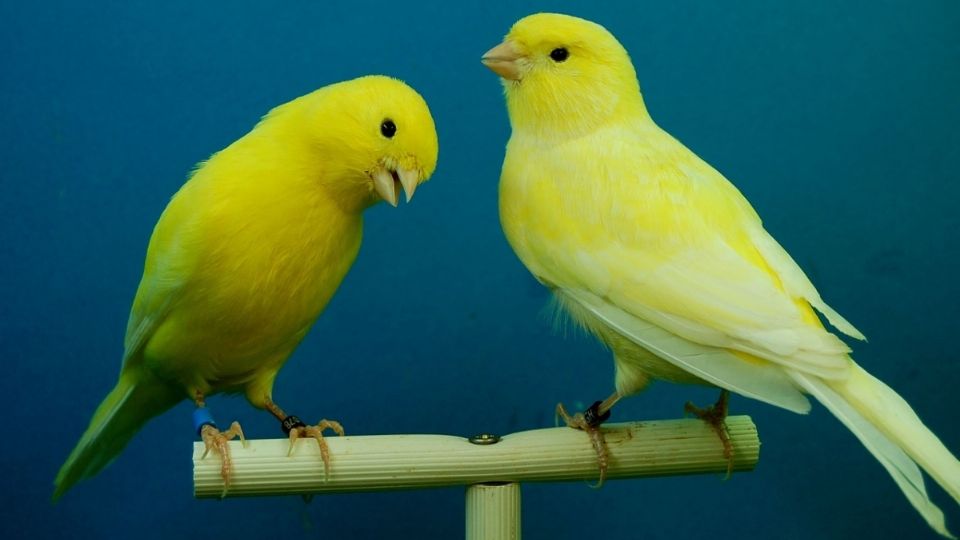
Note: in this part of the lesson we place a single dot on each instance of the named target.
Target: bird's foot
(297, 429)
(216, 440)
(589, 421)
(715, 416)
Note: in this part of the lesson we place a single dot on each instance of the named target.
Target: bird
(248, 253)
(655, 253)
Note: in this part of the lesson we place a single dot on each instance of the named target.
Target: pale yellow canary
(657, 254)
(248, 253)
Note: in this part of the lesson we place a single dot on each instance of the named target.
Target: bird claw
(216, 440)
(589, 422)
(316, 432)
(716, 417)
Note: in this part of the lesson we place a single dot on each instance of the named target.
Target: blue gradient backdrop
(839, 123)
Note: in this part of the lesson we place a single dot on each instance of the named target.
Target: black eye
(559, 54)
(388, 128)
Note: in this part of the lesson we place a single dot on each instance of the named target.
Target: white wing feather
(901, 467)
(796, 282)
(710, 295)
(765, 382)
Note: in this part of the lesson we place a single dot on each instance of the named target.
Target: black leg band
(291, 422)
(592, 415)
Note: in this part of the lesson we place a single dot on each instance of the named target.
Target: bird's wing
(713, 315)
(150, 307)
(710, 295)
(166, 269)
(694, 260)
(795, 281)
(759, 380)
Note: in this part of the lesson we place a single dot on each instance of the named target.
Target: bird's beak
(504, 60)
(388, 182)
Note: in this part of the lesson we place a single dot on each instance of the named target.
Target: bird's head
(370, 138)
(564, 76)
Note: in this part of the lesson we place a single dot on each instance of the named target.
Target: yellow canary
(248, 253)
(658, 255)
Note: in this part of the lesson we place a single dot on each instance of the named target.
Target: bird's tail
(892, 432)
(136, 398)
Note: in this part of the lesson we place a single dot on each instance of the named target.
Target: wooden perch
(392, 462)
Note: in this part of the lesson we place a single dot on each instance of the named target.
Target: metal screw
(484, 439)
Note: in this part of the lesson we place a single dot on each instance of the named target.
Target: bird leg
(216, 440)
(295, 428)
(715, 416)
(589, 421)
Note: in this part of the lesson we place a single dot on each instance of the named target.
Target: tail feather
(892, 432)
(132, 402)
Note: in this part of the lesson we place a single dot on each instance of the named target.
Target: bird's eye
(559, 54)
(388, 128)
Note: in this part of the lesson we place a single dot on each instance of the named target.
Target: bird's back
(629, 182)
(629, 215)
(230, 281)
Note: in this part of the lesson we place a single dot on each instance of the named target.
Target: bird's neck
(555, 113)
(350, 190)
(315, 169)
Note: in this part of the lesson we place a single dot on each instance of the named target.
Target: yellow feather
(250, 250)
(655, 252)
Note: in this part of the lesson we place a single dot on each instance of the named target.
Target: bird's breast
(266, 270)
(551, 200)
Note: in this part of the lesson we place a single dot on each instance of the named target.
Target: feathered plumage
(656, 253)
(250, 250)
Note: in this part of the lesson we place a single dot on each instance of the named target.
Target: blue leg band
(202, 417)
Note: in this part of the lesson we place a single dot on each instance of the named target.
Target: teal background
(839, 123)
